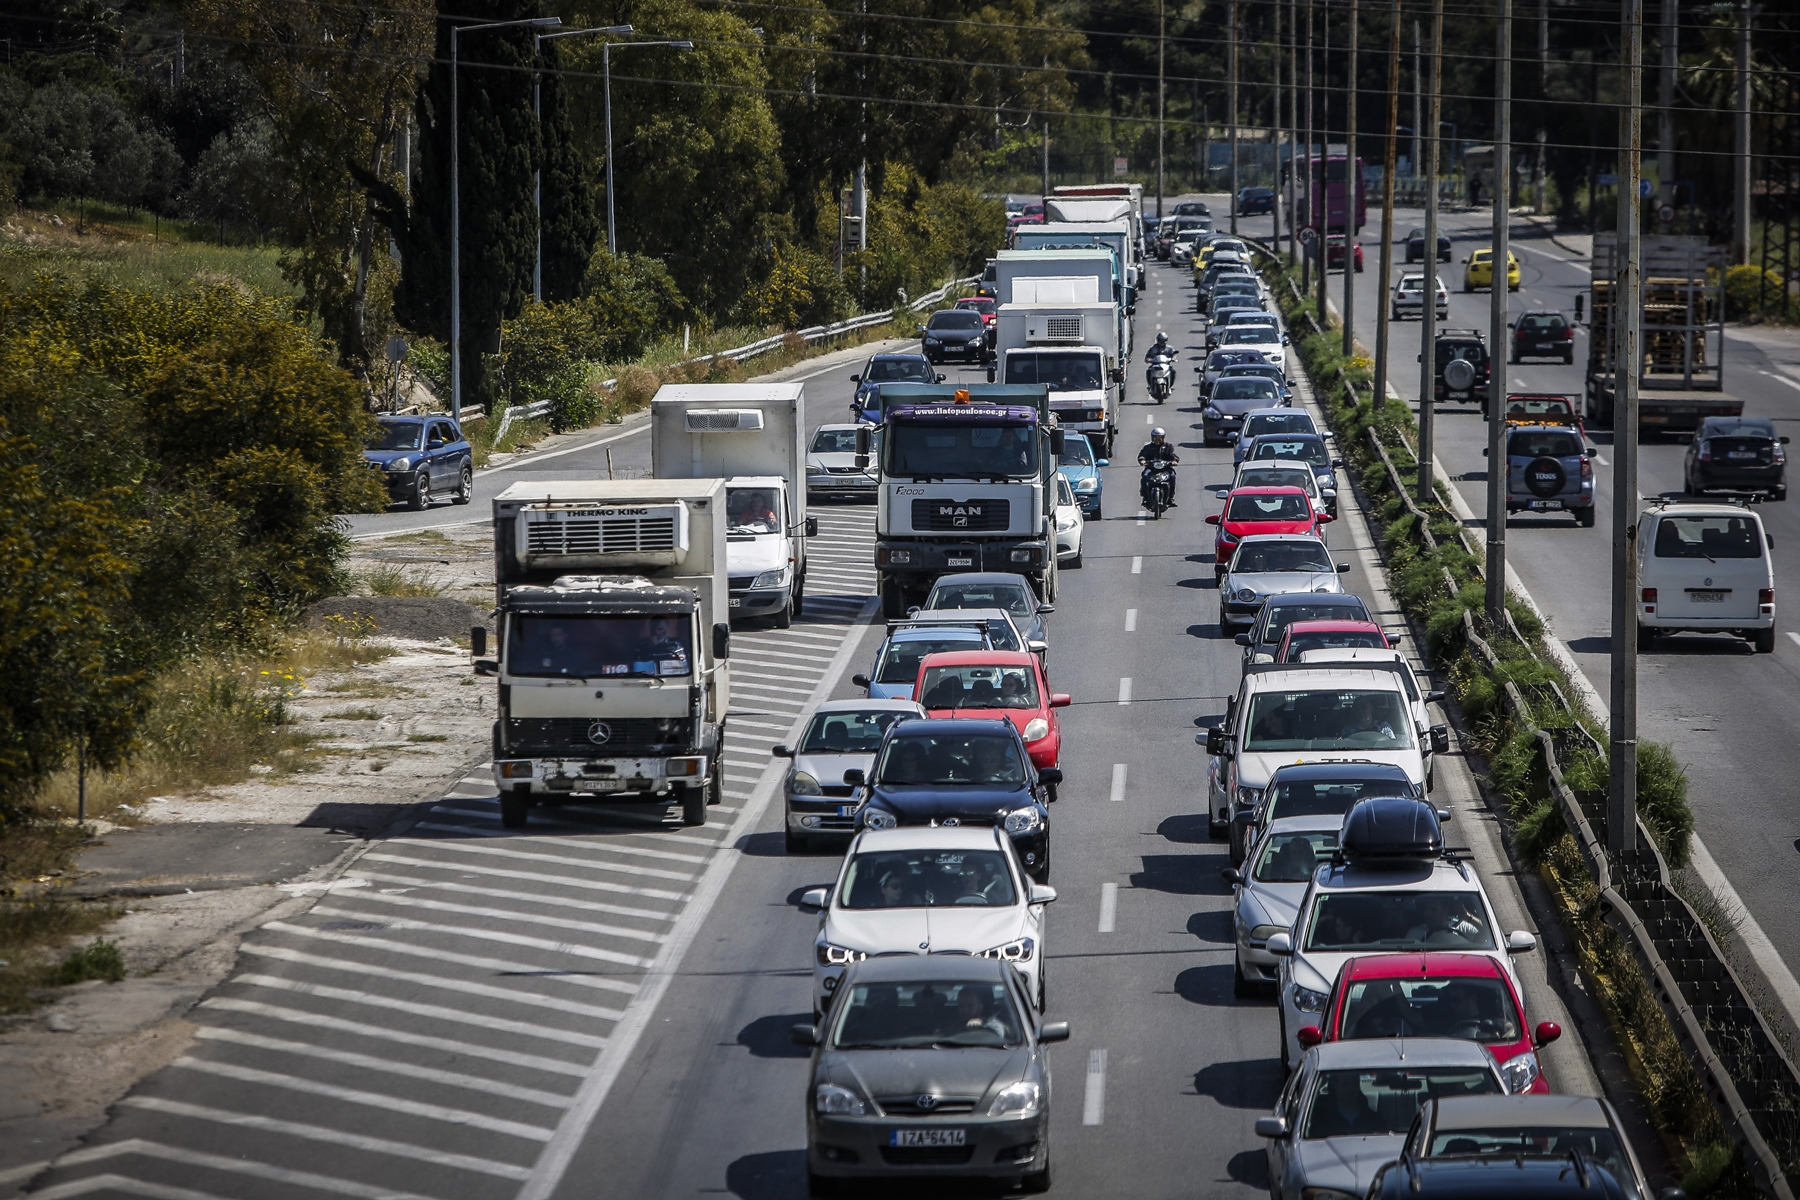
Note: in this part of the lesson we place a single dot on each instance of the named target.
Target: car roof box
(1390, 829)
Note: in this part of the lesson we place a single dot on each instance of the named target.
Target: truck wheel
(1764, 640)
(693, 806)
(893, 600)
(800, 594)
(785, 618)
(715, 787)
(513, 810)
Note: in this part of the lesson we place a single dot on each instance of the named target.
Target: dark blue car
(1253, 200)
(887, 368)
(422, 460)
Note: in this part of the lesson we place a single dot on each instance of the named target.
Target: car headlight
(876, 818)
(1087, 485)
(804, 785)
(1019, 951)
(1246, 594)
(1023, 820)
(1063, 526)
(399, 464)
(836, 1101)
(1249, 797)
(1307, 1000)
(1520, 1072)
(1214, 413)
(1021, 1099)
(1036, 728)
(838, 956)
(813, 468)
(1262, 933)
(771, 579)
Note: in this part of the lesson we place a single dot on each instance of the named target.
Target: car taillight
(1649, 596)
(1765, 595)
(1705, 451)
(1587, 468)
(1569, 334)
(1780, 454)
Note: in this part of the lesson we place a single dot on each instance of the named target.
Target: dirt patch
(415, 618)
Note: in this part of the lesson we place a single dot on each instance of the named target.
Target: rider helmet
(1162, 339)
(1157, 434)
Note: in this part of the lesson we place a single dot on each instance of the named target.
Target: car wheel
(1646, 639)
(513, 810)
(796, 843)
(693, 806)
(1568, 358)
(1779, 493)
(1585, 517)
(420, 500)
(465, 486)
(1097, 507)
(1242, 986)
(1049, 793)
(1764, 640)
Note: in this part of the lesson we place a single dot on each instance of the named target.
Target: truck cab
(1071, 350)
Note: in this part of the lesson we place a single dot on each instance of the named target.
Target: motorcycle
(1159, 377)
(1159, 488)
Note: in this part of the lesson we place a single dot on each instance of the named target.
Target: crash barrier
(815, 333)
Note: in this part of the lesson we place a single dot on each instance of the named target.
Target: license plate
(736, 601)
(846, 810)
(1740, 454)
(926, 1137)
(606, 784)
(1546, 504)
(1714, 597)
(1459, 395)
(959, 562)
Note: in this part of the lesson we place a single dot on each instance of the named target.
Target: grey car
(1232, 399)
(842, 735)
(1273, 564)
(1269, 889)
(1346, 1109)
(1549, 469)
(1002, 631)
(994, 589)
(929, 1067)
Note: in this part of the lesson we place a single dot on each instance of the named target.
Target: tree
(571, 226)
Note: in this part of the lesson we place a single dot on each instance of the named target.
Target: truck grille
(574, 737)
(1062, 329)
(961, 516)
(611, 535)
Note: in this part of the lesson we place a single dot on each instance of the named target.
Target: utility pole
(1418, 164)
(537, 116)
(1384, 311)
(1233, 101)
(1046, 148)
(1353, 186)
(1740, 168)
(1542, 177)
(1293, 111)
(1428, 313)
(1275, 129)
(1306, 256)
(1324, 180)
(1162, 100)
(1498, 339)
(1621, 791)
(1665, 116)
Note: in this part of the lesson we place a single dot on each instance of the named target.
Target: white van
(1705, 567)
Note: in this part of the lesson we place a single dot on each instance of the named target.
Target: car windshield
(951, 758)
(1538, 406)
(893, 370)
(1739, 427)
(1310, 451)
(1075, 452)
(1292, 857)
(1241, 388)
(1708, 537)
(1252, 335)
(1233, 301)
(928, 879)
(1283, 615)
(585, 647)
(1327, 797)
(1060, 372)
(1377, 1102)
(994, 686)
(1349, 639)
(1269, 506)
(911, 1016)
(1412, 283)
(1014, 598)
(1278, 477)
(1253, 371)
(1233, 358)
(962, 451)
(900, 662)
(1544, 444)
(980, 304)
(1542, 322)
(398, 435)
(1351, 719)
(848, 732)
(1473, 1009)
(1398, 921)
(955, 318)
(1534, 1141)
(752, 510)
(1256, 557)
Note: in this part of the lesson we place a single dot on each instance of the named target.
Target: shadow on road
(1248, 1083)
(1209, 985)
(767, 1037)
(1212, 926)
(1187, 828)
(1183, 874)
(1250, 1167)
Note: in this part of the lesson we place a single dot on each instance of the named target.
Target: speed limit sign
(1309, 235)
(1665, 213)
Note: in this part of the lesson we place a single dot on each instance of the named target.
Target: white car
(843, 735)
(1273, 564)
(1705, 567)
(1260, 338)
(1433, 736)
(1269, 889)
(929, 890)
(831, 468)
(1409, 298)
(1069, 522)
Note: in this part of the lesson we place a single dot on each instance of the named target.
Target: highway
(598, 1005)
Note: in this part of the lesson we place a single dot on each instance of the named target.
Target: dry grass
(354, 714)
(131, 250)
(386, 580)
(31, 930)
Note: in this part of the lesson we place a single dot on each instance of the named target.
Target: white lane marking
(583, 903)
(370, 1062)
(1143, 514)
(490, 935)
(1137, 564)
(125, 1184)
(1093, 1104)
(332, 1137)
(1149, 418)
(218, 1162)
(296, 1016)
(1118, 783)
(412, 1108)
(595, 885)
(1125, 689)
(350, 966)
(572, 1131)
(1782, 379)
(784, 727)
(435, 1011)
(620, 848)
(475, 831)
(736, 675)
(1109, 906)
(1131, 620)
(1601, 460)
(20, 1174)
(507, 914)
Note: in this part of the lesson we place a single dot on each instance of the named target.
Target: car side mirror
(1440, 739)
(1444, 814)
(486, 666)
(815, 897)
(1242, 639)
(855, 777)
(478, 641)
(1053, 1031)
(1042, 894)
(1484, 452)
(1281, 945)
(862, 462)
(1785, 439)
(1308, 1036)
(1046, 608)
(1116, 375)
(1061, 699)
(722, 640)
(1593, 450)
(941, 378)
(1434, 697)
(861, 681)
(1271, 1127)
(435, 444)
(1547, 1032)
(1418, 358)
(1038, 646)
(1343, 568)
(1769, 538)
(1580, 308)
(1050, 775)
(804, 1035)
(812, 527)
(863, 444)
(1212, 519)
(1107, 462)
(781, 751)
(1520, 942)
(856, 379)
(1217, 744)
(1232, 876)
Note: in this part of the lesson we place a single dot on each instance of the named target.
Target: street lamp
(456, 202)
(537, 185)
(612, 231)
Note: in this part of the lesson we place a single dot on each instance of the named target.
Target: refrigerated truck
(1073, 350)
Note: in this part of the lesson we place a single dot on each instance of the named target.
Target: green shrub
(100, 959)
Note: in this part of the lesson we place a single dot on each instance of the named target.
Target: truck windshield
(1060, 372)
(962, 451)
(586, 646)
(753, 510)
(398, 435)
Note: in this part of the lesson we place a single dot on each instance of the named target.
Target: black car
(955, 333)
(1254, 200)
(1320, 789)
(1192, 208)
(1278, 612)
(422, 459)
(1551, 1177)
(963, 772)
(1415, 246)
(1468, 383)
(1741, 454)
(1544, 334)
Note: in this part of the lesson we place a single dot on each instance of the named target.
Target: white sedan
(929, 890)
(1069, 521)
(1409, 298)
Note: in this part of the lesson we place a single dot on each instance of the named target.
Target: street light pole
(1499, 349)
(1740, 167)
(1353, 187)
(1293, 111)
(537, 112)
(1429, 285)
(1161, 102)
(1233, 117)
(456, 200)
(1621, 791)
(1306, 255)
(612, 225)
(1384, 297)
(1275, 127)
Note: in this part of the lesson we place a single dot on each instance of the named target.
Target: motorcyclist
(1159, 348)
(1160, 354)
(1156, 451)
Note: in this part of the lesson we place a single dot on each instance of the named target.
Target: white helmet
(1157, 434)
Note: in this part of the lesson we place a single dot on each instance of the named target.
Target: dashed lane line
(1109, 906)
(1093, 1102)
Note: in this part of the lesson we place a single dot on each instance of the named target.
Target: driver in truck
(1156, 451)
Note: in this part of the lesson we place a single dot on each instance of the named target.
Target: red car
(985, 305)
(1251, 510)
(1334, 253)
(995, 684)
(1302, 636)
(1522, 409)
(1436, 994)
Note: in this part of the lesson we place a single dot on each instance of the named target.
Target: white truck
(1072, 349)
(750, 435)
(1056, 277)
(611, 644)
(1131, 193)
(1117, 236)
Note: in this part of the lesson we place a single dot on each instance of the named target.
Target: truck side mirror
(478, 641)
(1116, 375)
(1058, 439)
(812, 527)
(1580, 307)
(721, 640)
(990, 373)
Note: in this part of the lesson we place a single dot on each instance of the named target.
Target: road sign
(1309, 235)
(1607, 180)
(396, 349)
(1121, 167)
(1665, 213)
(1645, 188)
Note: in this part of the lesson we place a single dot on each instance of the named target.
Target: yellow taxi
(1478, 271)
(1203, 255)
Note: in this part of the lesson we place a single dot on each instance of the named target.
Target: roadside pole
(1384, 286)
(1161, 103)
(1621, 791)
(1324, 181)
(1499, 339)
(1306, 185)
(1275, 129)
(1353, 187)
(1293, 110)
(1232, 87)
(1428, 308)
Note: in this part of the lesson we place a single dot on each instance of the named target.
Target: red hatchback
(1437, 994)
(995, 684)
(985, 305)
(1302, 636)
(1251, 510)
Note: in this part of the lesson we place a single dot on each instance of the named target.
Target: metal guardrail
(815, 333)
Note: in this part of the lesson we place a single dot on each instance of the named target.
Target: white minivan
(1705, 567)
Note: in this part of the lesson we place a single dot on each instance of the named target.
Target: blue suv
(1078, 462)
(422, 459)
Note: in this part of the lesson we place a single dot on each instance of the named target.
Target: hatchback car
(1478, 270)
(1277, 868)
(929, 1067)
(1278, 612)
(1334, 253)
(1309, 448)
(842, 735)
(865, 406)
(1409, 298)
(1275, 473)
(1230, 401)
(1224, 308)
(1510, 1127)
(1069, 522)
(993, 589)
(1262, 510)
(1275, 419)
(1216, 362)
(955, 333)
(1181, 246)
(1255, 200)
(831, 469)
(1315, 789)
(1261, 338)
(1079, 463)
(1263, 371)
(1265, 565)
(1553, 1177)
(1740, 454)
(1705, 568)
(905, 647)
(1415, 245)
(1543, 335)
(998, 684)
(1549, 469)
(422, 460)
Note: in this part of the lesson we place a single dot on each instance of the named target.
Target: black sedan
(1415, 246)
(1742, 454)
(1254, 200)
(955, 333)
(929, 1066)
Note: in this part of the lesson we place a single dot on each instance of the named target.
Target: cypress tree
(571, 226)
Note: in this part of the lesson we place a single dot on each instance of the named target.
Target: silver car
(1269, 889)
(1262, 421)
(1273, 564)
(842, 735)
(1346, 1109)
(831, 468)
